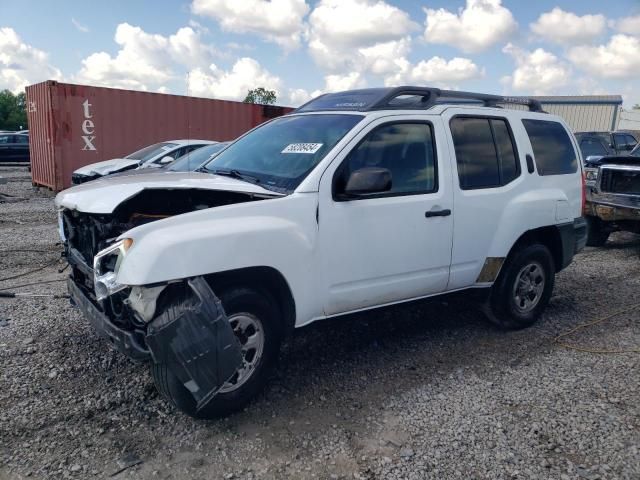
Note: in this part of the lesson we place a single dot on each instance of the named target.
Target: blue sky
(219, 48)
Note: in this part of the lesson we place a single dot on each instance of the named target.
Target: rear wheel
(597, 232)
(523, 288)
(253, 316)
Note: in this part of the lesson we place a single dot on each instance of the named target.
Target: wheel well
(547, 236)
(261, 278)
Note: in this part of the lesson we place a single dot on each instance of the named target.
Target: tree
(13, 114)
(261, 95)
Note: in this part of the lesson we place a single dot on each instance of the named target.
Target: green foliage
(261, 95)
(13, 114)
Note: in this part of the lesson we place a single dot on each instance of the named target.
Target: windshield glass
(282, 152)
(192, 160)
(147, 153)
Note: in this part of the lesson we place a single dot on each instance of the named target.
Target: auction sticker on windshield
(302, 148)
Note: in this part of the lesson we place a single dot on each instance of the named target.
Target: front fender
(278, 233)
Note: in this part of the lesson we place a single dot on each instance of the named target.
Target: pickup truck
(356, 200)
(613, 196)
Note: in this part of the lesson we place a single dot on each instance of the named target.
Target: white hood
(106, 167)
(104, 195)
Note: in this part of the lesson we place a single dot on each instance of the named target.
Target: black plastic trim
(123, 340)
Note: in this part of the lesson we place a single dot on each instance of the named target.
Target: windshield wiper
(235, 174)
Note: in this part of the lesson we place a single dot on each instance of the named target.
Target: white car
(356, 200)
(156, 155)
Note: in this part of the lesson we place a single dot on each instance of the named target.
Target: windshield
(281, 153)
(192, 160)
(147, 153)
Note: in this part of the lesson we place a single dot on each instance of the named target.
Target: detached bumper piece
(196, 343)
(127, 342)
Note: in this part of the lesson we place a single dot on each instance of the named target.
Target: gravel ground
(420, 391)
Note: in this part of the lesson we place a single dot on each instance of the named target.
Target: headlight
(591, 175)
(105, 268)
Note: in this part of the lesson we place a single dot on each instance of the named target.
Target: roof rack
(409, 98)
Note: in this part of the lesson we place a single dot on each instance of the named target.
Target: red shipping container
(71, 126)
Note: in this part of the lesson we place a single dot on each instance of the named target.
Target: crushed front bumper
(130, 343)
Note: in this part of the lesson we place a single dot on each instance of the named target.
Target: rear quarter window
(552, 147)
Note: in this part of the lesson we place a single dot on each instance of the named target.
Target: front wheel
(253, 316)
(523, 288)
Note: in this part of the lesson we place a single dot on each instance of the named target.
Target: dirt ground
(427, 390)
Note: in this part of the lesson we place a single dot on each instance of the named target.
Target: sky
(301, 48)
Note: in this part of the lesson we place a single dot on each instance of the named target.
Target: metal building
(584, 113)
(630, 122)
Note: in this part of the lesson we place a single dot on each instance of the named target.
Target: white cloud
(538, 72)
(278, 21)
(82, 28)
(234, 84)
(22, 64)
(298, 96)
(344, 33)
(386, 58)
(563, 27)
(349, 81)
(437, 71)
(145, 60)
(480, 25)
(620, 58)
(630, 25)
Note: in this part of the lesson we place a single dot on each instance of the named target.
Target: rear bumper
(124, 341)
(573, 237)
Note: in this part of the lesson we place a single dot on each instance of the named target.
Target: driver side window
(406, 149)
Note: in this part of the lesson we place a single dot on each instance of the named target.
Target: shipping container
(71, 126)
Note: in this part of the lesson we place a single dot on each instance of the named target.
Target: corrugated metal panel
(581, 116)
(75, 125)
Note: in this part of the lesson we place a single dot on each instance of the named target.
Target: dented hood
(104, 195)
(106, 167)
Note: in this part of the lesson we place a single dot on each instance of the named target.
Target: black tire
(234, 300)
(597, 232)
(503, 309)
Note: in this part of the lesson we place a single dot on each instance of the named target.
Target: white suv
(356, 200)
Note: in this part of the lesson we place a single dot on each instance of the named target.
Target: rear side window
(552, 147)
(485, 152)
(592, 147)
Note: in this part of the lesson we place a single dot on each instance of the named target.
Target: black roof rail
(435, 96)
(369, 99)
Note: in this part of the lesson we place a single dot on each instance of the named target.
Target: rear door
(488, 175)
(6, 149)
(21, 148)
(395, 245)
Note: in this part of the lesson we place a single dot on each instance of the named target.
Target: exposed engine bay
(87, 234)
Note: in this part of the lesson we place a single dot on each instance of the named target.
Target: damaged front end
(180, 324)
(191, 336)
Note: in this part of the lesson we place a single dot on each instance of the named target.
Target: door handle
(437, 213)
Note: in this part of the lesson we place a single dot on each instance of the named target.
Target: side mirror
(166, 160)
(368, 180)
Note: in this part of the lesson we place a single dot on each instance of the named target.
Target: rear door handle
(437, 213)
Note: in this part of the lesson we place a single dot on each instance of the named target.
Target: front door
(388, 247)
